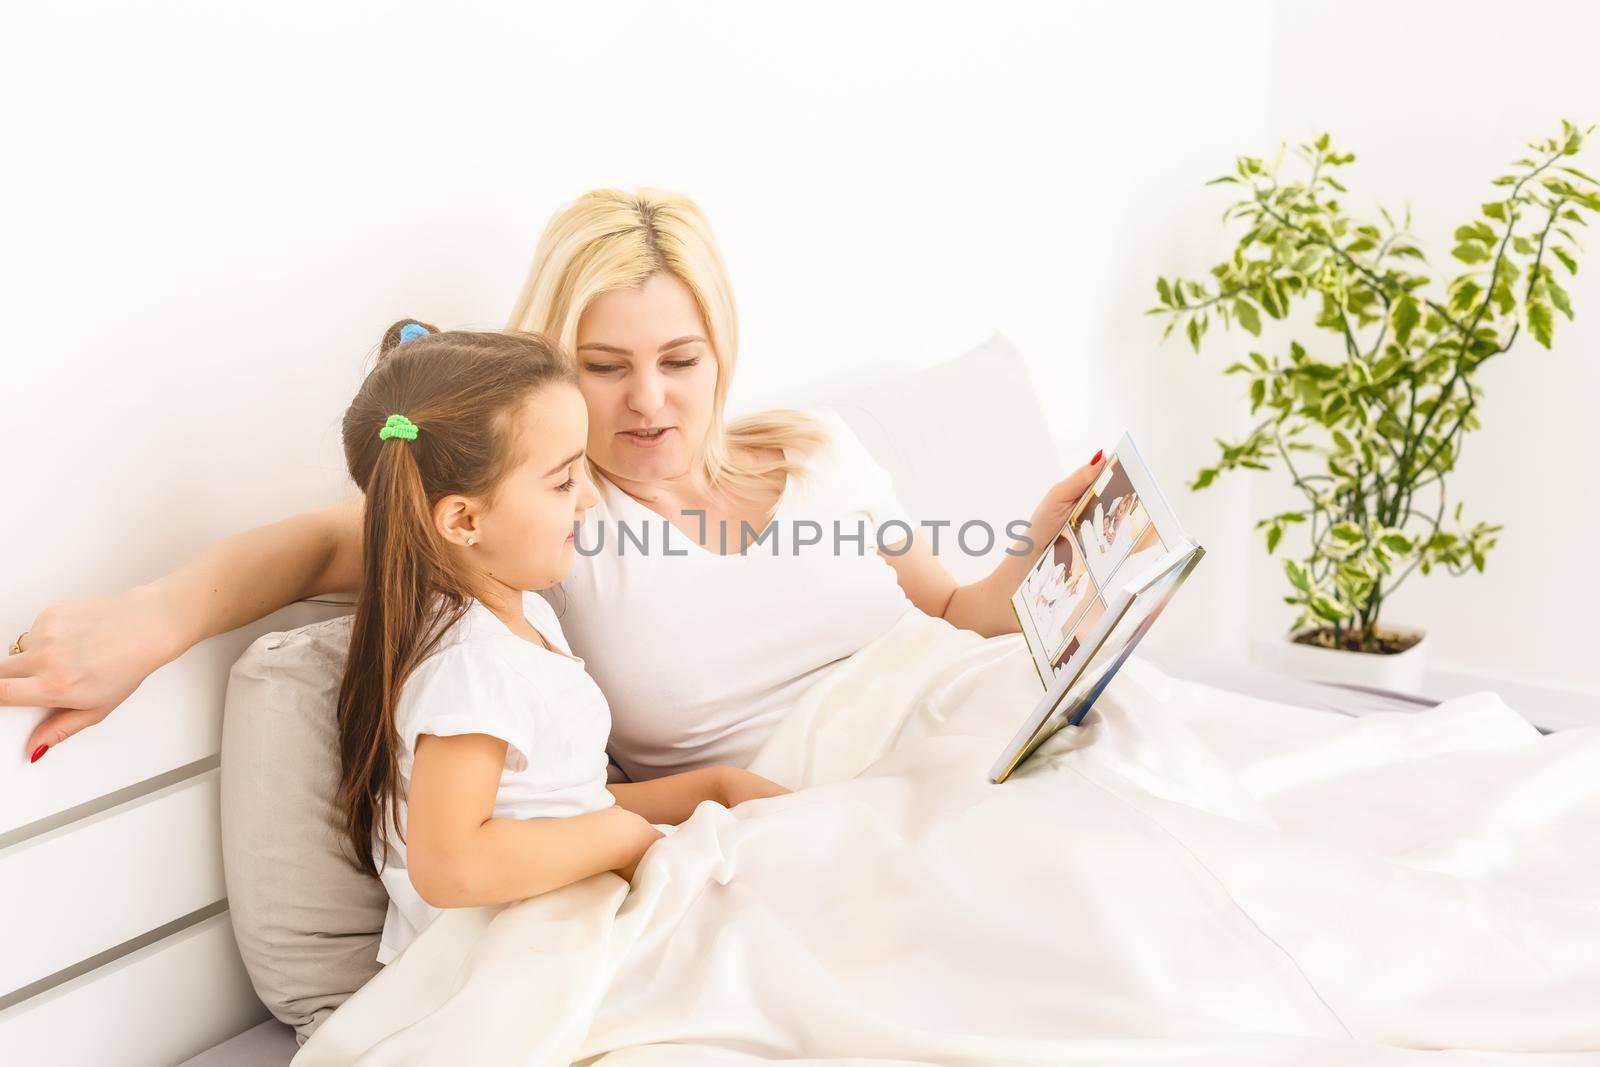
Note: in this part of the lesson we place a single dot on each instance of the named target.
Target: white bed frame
(119, 948)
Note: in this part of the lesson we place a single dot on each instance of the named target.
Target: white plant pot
(1401, 672)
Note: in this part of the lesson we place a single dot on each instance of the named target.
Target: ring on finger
(16, 646)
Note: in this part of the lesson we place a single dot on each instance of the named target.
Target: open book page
(1094, 592)
(1119, 528)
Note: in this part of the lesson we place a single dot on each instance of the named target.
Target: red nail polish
(1097, 456)
(41, 750)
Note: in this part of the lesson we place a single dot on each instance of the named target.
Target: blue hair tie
(411, 331)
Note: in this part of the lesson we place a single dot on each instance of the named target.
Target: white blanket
(1193, 877)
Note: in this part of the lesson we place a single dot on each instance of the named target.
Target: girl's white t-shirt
(484, 679)
(700, 654)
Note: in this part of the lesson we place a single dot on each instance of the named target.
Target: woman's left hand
(738, 785)
(1052, 512)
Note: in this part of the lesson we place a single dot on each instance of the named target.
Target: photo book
(1094, 592)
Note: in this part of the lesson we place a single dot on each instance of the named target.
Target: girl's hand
(83, 658)
(737, 785)
(1052, 512)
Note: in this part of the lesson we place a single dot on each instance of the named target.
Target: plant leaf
(1558, 296)
(1404, 319)
(1249, 318)
(1347, 532)
(1540, 322)
(1396, 542)
(1328, 608)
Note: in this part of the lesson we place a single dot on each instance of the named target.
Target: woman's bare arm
(459, 855)
(85, 657)
(984, 606)
(243, 577)
(671, 798)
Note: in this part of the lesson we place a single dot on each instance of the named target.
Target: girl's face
(649, 378)
(524, 533)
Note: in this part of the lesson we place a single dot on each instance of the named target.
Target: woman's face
(645, 364)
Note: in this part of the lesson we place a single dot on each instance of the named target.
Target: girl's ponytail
(430, 420)
(396, 625)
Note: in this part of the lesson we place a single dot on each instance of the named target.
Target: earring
(472, 541)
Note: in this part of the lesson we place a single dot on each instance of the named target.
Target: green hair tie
(398, 426)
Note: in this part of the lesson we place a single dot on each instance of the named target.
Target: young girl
(467, 727)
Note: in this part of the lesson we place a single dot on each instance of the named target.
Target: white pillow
(962, 440)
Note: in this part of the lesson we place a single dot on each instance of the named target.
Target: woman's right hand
(82, 658)
(736, 785)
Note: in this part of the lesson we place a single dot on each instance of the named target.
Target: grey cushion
(307, 922)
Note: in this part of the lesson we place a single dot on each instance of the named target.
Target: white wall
(1448, 93)
(215, 210)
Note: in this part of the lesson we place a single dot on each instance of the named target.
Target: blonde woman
(699, 647)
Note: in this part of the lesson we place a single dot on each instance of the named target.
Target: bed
(151, 960)
(272, 1044)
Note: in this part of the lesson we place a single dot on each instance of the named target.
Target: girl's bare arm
(459, 855)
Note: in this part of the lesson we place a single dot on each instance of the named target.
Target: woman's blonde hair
(609, 239)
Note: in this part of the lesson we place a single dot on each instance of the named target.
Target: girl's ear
(455, 517)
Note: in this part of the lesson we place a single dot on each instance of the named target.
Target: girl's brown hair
(462, 391)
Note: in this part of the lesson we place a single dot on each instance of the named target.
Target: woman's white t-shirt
(700, 654)
(484, 679)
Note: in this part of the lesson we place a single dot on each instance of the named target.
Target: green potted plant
(1368, 414)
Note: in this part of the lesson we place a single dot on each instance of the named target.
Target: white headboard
(119, 948)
